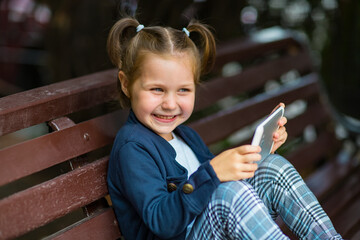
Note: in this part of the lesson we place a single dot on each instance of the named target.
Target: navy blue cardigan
(141, 166)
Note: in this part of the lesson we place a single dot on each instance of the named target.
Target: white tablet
(263, 136)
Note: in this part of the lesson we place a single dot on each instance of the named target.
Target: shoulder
(135, 134)
(189, 135)
(193, 139)
(136, 146)
(187, 131)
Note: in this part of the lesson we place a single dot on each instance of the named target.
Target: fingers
(248, 174)
(245, 167)
(237, 163)
(281, 131)
(248, 153)
(279, 138)
(251, 158)
(247, 149)
(279, 105)
(243, 170)
(282, 121)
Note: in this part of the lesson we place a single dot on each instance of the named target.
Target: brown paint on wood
(36, 206)
(249, 79)
(349, 219)
(251, 48)
(37, 154)
(99, 226)
(39, 105)
(222, 123)
(349, 191)
(309, 154)
(314, 115)
(61, 123)
(325, 178)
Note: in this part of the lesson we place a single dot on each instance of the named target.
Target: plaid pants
(247, 209)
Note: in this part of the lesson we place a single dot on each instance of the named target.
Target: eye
(184, 90)
(156, 90)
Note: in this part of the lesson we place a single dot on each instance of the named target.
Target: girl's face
(163, 96)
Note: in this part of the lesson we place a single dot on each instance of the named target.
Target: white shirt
(184, 155)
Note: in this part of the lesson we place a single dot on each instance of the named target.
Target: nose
(169, 102)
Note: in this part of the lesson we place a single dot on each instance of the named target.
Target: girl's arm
(239, 163)
(143, 183)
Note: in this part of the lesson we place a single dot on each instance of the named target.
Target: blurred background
(42, 41)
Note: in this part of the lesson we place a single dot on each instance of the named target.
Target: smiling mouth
(164, 117)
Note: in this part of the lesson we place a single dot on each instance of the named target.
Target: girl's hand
(237, 163)
(280, 135)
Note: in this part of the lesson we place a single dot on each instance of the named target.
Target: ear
(124, 83)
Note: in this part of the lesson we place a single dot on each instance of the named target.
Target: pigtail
(206, 45)
(119, 36)
(117, 43)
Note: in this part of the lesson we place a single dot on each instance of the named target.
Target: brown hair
(127, 48)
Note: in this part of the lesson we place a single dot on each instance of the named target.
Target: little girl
(163, 181)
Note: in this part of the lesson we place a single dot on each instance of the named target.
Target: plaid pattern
(284, 193)
(247, 209)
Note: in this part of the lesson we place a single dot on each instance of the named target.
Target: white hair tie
(138, 28)
(186, 32)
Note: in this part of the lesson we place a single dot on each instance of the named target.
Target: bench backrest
(58, 179)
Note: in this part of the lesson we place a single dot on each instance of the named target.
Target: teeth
(164, 117)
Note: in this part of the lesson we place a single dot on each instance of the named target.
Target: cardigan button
(188, 188)
(171, 187)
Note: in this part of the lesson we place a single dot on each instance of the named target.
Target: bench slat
(244, 49)
(356, 233)
(349, 191)
(222, 123)
(36, 206)
(40, 153)
(335, 206)
(328, 176)
(314, 115)
(349, 219)
(99, 226)
(39, 105)
(310, 153)
(251, 78)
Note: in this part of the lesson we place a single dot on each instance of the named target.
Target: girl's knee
(233, 191)
(234, 186)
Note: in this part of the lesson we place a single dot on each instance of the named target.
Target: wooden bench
(54, 185)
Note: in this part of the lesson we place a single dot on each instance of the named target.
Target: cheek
(188, 105)
(144, 102)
